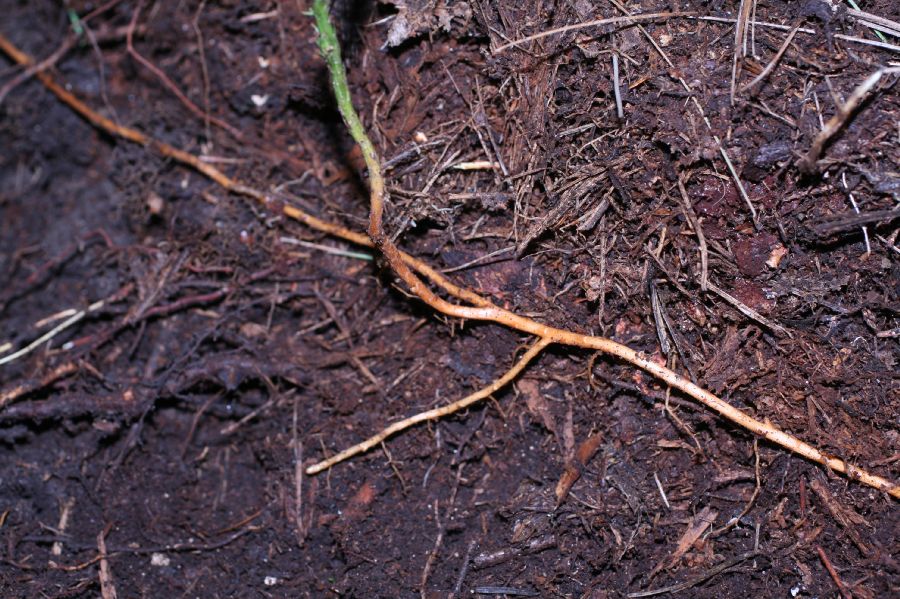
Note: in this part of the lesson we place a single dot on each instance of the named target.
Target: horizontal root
(435, 413)
(406, 267)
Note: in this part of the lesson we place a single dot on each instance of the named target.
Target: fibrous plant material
(411, 270)
(485, 310)
(844, 113)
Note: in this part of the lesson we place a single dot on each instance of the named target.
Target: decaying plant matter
(483, 309)
(419, 277)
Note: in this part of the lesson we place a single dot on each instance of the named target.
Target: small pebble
(160, 559)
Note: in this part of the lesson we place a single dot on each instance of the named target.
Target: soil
(156, 445)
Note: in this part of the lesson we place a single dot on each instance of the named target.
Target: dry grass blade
(740, 42)
(807, 31)
(595, 23)
(771, 66)
(876, 22)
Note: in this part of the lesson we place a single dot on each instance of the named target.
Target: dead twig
(441, 530)
(844, 113)
(620, 112)
(195, 23)
(698, 230)
(462, 571)
(683, 586)
(10, 395)
(806, 31)
(733, 521)
(52, 333)
(851, 220)
(65, 512)
(771, 66)
(845, 593)
(843, 514)
(67, 44)
(180, 547)
(107, 585)
(740, 43)
(748, 311)
(684, 84)
(696, 527)
(575, 465)
(875, 22)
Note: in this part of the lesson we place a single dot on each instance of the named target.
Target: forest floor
(212, 349)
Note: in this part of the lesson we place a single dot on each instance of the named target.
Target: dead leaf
(358, 505)
(537, 405)
(572, 472)
(417, 17)
(695, 529)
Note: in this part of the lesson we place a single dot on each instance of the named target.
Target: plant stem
(331, 52)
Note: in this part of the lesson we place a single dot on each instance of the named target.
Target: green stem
(331, 52)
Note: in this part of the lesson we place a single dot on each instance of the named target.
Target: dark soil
(173, 421)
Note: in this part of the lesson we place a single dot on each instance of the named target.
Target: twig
(61, 51)
(865, 230)
(30, 71)
(107, 585)
(297, 449)
(844, 113)
(479, 260)
(804, 30)
(692, 533)
(874, 22)
(181, 547)
(740, 43)
(208, 118)
(843, 514)
(326, 248)
(64, 513)
(432, 556)
(482, 308)
(52, 332)
(833, 573)
(771, 66)
(684, 84)
(848, 220)
(10, 395)
(748, 311)
(202, 52)
(733, 522)
(463, 571)
(701, 238)
(662, 492)
(675, 588)
(441, 531)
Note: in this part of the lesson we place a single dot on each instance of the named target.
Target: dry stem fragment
(843, 114)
